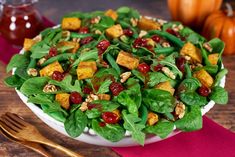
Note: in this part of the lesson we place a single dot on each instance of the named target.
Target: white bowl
(88, 136)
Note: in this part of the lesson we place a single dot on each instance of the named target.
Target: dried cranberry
(103, 45)
(86, 40)
(110, 117)
(143, 67)
(180, 62)
(156, 38)
(204, 91)
(102, 124)
(171, 31)
(128, 32)
(53, 52)
(58, 76)
(75, 98)
(116, 88)
(87, 90)
(83, 30)
(91, 106)
(158, 67)
(140, 42)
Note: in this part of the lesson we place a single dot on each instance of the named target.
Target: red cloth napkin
(211, 141)
(7, 50)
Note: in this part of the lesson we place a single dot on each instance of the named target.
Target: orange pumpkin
(192, 12)
(221, 24)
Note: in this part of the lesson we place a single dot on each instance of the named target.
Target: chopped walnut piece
(207, 46)
(124, 76)
(168, 72)
(134, 22)
(180, 110)
(32, 72)
(83, 107)
(49, 88)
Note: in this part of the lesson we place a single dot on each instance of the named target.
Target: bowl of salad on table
(116, 78)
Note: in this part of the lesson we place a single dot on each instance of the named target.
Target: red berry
(143, 67)
(102, 46)
(87, 90)
(83, 30)
(116, 88)
(156, 38)
(86, 40)
(140, 42)
(204, 91)
(128, 32)
(75, 98)
(171, 31)
(58, 76)
(91, 106)
(180, 62)
(158, 67)
(110, 117)
(53, 52)
(102, 124)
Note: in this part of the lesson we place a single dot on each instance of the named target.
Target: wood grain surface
(9, 101)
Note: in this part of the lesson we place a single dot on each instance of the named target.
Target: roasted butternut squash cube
(86, 69)
(166, 86)
(192, 51)
(114, 31)
(104, 96)
(213, 58)
(117, 112)
(63, 99)
(49, 69)
(127, 60)
(204, 77)
(28, 43)
(111, 13)
(71, 23)
(152, 118)
(74, 45)
(148, 24)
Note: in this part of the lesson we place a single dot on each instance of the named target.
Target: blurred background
(54, 10)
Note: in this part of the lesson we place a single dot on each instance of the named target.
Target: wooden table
(10, 102)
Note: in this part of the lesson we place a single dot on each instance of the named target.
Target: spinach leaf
(219, 95)
(39, 50)
(66, 84)
(59, 58)
(13, 81)
(161, 129)
(133, 124)
(22, 73)
(106, 71)
(219, 76)
(191, 121)
(192, 98)
(139, 75)
(158, 100)
(104, 87)
(126, 99)
(106, 105)
(89, 55)
(34, 85)
(188, 72)
(93, 113)
(75, 123)
(105, 22)
(18, 60)
(156, 77)
(113, 63)
(111, 132)
(49, 106)
(131, 98)
(126, 12)
(143, 114)
(189, 84)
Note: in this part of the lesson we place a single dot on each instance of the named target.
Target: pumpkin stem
(229, 9)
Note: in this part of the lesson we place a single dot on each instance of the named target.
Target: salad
(118, 71)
